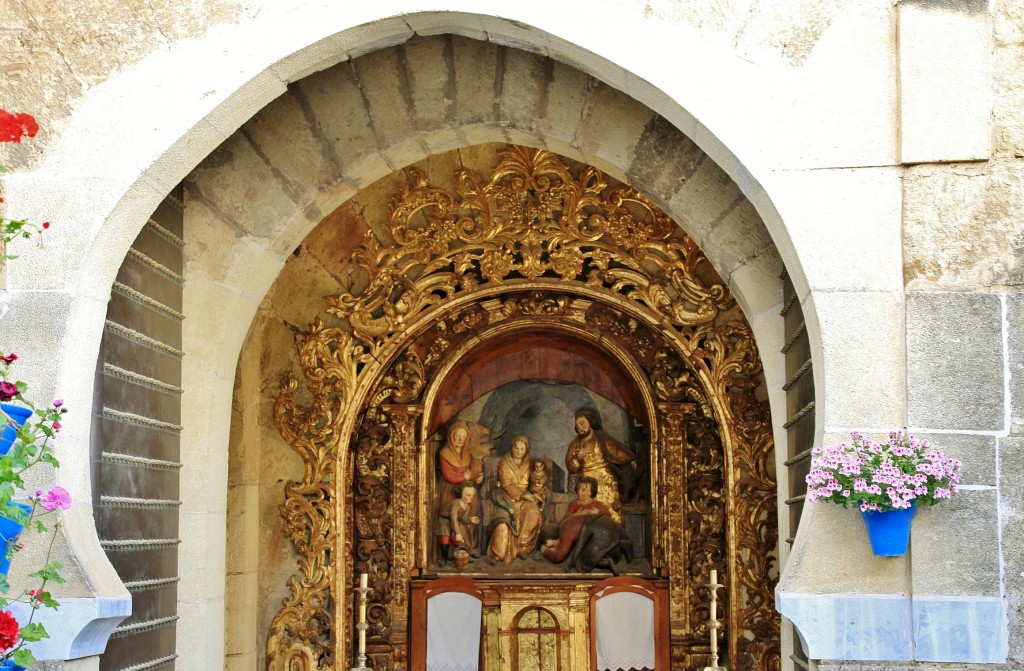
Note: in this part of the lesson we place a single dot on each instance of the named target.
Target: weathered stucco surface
(52, 54)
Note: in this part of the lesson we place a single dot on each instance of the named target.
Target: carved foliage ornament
(301, 635)
(533, 221)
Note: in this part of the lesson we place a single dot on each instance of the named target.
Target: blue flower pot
(18, 415)
(9, 665)
(889, 530)
(9, 532)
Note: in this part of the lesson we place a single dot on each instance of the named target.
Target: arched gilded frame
(538, 240)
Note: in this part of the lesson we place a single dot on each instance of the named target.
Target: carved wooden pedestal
(537, 624)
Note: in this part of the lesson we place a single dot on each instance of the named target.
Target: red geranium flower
(9, 358)
(8, 390)
(15, 125)
(8, 630)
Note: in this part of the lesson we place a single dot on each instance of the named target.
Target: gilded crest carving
(532, 218)
(404, 382)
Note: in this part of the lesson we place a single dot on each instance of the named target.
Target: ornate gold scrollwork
(672, 379)
(731, 355)
(536, 303)
(404, 421)
(536, 240)
(628, 331)
(373, 518)
(530, 219)
(706, 520)
(301, 635)
(403, 382)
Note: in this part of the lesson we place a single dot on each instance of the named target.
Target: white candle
(362, 597)
(713, 622)
(362, 616)
(714, 606)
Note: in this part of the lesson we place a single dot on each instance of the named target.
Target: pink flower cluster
(57, 497)
(882, 476)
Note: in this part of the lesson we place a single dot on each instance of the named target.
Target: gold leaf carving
(301, 635)
(531, 219)
(403, 382)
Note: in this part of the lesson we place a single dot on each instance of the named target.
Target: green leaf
(33, 632)
(24, 657)
(50, 572)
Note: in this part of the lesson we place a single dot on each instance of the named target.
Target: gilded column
(404, 420)
(491, 632)
(579, 621)
(673, 417)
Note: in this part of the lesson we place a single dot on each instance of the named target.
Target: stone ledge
(893, 627)
(960, 629)
(848, 626)
(80, 628)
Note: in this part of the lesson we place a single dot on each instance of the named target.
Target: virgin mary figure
(517, 519)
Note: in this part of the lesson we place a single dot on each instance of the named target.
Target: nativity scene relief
(559, 501)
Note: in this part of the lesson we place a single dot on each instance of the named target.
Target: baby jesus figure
(539, 482)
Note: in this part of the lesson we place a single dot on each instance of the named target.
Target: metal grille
(799, 388)
(137, 421)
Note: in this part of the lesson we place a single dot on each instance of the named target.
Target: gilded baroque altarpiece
(536, 247)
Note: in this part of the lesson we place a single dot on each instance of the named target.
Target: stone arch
(136, 183)
(258, 161)
(343, 128)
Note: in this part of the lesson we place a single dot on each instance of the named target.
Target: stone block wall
(960, 234)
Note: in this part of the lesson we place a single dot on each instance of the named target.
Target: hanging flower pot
(886, 481)
(10, 530)
(889, 530)
(9, 665)
(17, 415)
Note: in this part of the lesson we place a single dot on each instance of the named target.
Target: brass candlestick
(713, 586)
(361, 626)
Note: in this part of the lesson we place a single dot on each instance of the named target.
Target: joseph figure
(595, 454)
